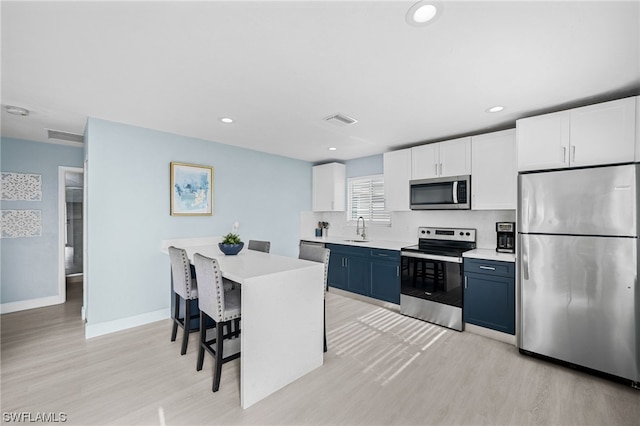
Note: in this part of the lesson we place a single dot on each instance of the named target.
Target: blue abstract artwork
(191, 189)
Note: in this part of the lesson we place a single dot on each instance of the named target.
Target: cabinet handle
(490, 268)
(440, 169)
(435, 168)
(465, 281)
(564, 154)
(397, 271)
(573, 153)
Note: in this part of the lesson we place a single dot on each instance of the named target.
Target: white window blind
(366, 199)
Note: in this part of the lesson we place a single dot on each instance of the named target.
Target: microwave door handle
(455, 192)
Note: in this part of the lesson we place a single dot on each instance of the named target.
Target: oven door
(432, 277)
(431, 288)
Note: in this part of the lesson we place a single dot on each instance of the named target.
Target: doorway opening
(71, 228)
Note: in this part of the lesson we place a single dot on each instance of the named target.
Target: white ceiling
(280, 68)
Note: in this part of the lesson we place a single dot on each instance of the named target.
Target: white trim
(23, 305)
(102, 328)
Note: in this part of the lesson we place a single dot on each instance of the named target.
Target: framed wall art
(191, 190)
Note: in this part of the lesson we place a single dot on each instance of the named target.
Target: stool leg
(219, 343)
(176, 313)
(325, 325)
(186, 326)
(203, 339)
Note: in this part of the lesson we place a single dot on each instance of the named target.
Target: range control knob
(462, 233)
(468, 233)
(428, 232)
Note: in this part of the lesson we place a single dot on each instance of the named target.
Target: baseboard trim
(107, 327)
(23, 305)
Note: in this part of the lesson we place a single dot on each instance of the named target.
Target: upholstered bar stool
(184, 288)
(321, 255)
(257, 245)
(222, 307)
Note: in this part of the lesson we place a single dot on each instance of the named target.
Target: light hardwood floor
(381, 369)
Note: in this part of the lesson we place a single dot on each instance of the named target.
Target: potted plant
(231, 244)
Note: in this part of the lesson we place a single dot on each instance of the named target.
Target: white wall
(404, 225)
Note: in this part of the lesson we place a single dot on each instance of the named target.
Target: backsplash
(404, 225)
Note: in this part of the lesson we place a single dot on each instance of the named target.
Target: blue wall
(128, 210)
(30, 265)
(365, 166)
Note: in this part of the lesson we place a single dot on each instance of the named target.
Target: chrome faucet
(363, 234)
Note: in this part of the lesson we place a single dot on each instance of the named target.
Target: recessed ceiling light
(226, 120)
(333, 148)
(16, 110)
(423, 13)
(496, 108)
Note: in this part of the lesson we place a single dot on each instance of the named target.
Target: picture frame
(191, 190)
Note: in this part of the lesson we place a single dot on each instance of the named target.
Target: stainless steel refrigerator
(578, 267)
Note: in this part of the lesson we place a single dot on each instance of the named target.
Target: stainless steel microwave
(453, 192)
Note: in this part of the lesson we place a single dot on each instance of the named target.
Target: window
(366, 199)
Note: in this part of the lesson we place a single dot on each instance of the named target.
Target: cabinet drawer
(491, 267)
(381, 254)
(348, 250)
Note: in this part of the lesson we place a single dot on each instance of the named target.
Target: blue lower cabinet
(489, 294)
(369, 272)
(385, 281)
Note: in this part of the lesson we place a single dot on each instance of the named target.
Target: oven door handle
(432, 257)
(455, 192)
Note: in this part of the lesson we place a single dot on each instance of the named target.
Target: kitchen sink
(357, 241)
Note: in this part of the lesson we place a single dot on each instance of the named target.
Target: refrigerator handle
(525, 257)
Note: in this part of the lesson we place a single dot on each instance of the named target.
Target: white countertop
(247, 264)
(490, 254)
(380, 244)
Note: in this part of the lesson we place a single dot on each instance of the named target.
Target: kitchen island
(282, 315)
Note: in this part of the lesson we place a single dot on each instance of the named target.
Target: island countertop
(278, 293)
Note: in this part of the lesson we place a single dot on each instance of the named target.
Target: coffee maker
(506, 237)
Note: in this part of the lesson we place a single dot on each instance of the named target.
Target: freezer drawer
(579, 301)
(592, 201)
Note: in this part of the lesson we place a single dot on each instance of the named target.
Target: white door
(397, 174)
(455, 157)
(424, 161)
(543, 141)
(494, 176)
(603, 133)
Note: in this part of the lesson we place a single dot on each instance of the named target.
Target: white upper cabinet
(448, 158)
(397, 174)
(424, 161)
(329, 186)
(543, 141)
(603, 133)
(494, 178)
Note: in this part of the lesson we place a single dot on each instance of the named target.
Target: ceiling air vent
(64, 136)
(341, 119)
